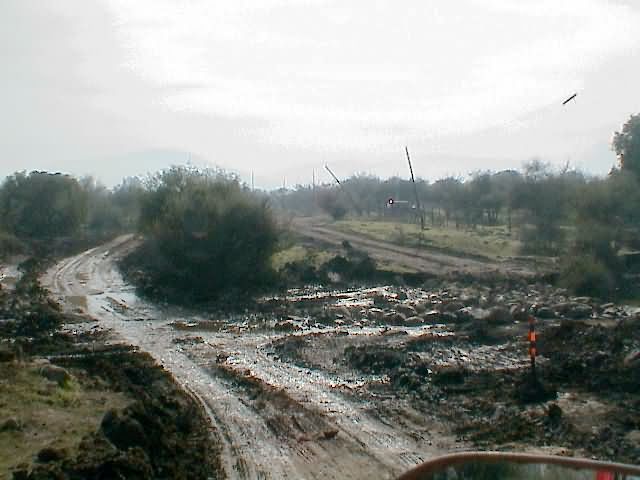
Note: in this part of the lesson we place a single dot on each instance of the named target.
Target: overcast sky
(279, 87)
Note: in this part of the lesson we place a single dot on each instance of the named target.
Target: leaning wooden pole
(415, 189)
(351, 199)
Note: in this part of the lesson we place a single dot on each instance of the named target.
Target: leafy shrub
(587, 275)
(330, 202)
(10, 245)
(41, 205)
(207, 236)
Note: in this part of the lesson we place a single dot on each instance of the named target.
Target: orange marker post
(532, 344)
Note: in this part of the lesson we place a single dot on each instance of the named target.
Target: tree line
(590, 223)
(197, 222)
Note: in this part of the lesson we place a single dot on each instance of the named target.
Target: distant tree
(42, 205)
(127, 200)
(626, 144)
(543, 197)
(331, 202)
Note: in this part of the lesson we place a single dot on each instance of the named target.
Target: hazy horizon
(279, 88)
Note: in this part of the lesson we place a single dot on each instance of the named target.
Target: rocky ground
(469, 365)
(370, 381)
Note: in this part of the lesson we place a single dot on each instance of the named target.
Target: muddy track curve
(279, 436)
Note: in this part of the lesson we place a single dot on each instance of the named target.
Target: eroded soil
(369, 382)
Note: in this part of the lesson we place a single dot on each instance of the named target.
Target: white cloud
(269, 84)
(331, 75)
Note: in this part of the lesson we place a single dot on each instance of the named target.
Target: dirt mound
(593, 356)
(163, 434)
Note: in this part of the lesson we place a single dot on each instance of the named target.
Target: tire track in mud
(392, 448)
(252, 445)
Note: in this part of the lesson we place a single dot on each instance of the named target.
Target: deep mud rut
(276, 419)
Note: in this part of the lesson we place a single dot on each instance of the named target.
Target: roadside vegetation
(207, 235)
(492, 242)
(589, 224)
(47, 214)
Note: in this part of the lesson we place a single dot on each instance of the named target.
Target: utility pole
(313, 183)
(353, 202)
(415, 189)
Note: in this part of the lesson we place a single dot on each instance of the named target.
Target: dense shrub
(206, 235)
(331, 203)
(10, 245)
(42, 205)
(587, 275)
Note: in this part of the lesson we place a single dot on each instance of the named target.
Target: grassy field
(296, 253)
(48, 415)
(489, 242)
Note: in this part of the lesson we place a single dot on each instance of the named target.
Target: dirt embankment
(76, 406)
(150, 429)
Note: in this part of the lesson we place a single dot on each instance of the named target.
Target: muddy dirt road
(276, 419)
(417, 260)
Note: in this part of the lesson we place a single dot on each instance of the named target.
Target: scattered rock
(375, 314)
(51, 454)
(554, 413)
(7, 355)
(56, 374)
(432, 316)
(421, 307)
(584, 300)
(579, 310)
(498, 316)
(452, 306)
(545, 312)
(633, 437)
(413, 321)
(10, 425)
(286, 326)
(448, 317)
(406, 310)
(632, 358)
(395, 318)
(122, 430)
(329, 434)
(380, 301)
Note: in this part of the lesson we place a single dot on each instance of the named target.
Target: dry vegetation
(493, 242)
(38, 413)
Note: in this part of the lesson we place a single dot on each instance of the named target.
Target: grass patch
(300, 253)
(48, 415)
(489, 242)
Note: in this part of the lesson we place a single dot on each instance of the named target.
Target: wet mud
(319, 383)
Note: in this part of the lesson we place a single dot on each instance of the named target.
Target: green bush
(42, 205)
(587, 275)
(331, 203)
(10, 245)
(207, 236)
